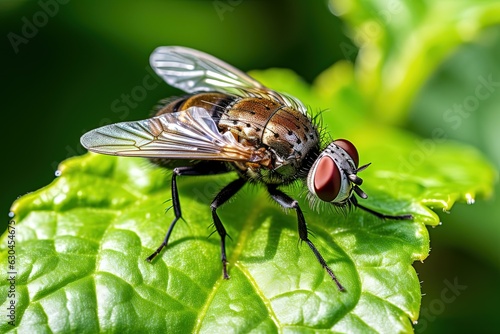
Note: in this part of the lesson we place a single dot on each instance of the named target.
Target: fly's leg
(176, 205)
(190, 170)
(354, 202)
(223, 196)
(289, 203)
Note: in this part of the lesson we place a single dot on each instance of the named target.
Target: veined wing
(195, 71)
(189, 134)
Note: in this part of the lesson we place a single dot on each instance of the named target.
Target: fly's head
(333, 176)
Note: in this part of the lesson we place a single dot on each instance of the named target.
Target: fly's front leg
(225, 194)
(190, 170)
(289, 203)
(354, 202)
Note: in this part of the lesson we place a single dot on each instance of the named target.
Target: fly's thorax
(246, 119)
(332, 178)
(287, 133)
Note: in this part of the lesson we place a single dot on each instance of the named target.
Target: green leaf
(403, 41)
(80, 242)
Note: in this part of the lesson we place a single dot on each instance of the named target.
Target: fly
(231, 122)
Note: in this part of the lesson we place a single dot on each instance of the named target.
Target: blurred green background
(87, 65)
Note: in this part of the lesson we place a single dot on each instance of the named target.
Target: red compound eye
(349, 148)
(327, 179)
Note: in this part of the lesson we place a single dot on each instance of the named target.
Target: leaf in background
(81, 242)
(402, 42)
(462, 98)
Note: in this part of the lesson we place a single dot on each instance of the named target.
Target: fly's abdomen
(214, 103)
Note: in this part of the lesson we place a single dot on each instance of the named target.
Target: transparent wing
(189, 134)
(195, 71)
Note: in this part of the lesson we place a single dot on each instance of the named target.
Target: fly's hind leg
(198, 169)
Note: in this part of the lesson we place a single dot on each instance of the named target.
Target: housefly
(231, 122)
